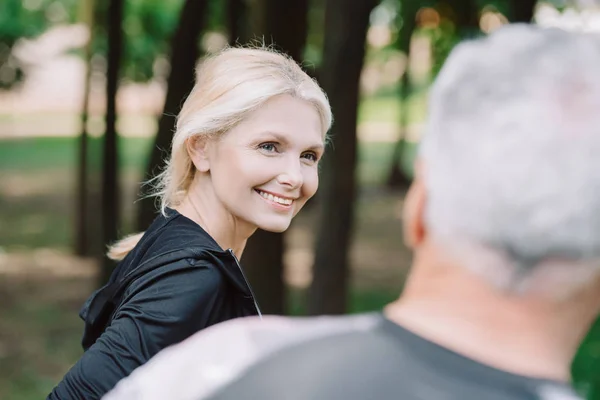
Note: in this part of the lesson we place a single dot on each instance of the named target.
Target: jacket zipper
(247, 283)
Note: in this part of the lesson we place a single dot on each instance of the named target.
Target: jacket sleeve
(160, 309)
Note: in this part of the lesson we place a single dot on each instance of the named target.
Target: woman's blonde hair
(229, 86)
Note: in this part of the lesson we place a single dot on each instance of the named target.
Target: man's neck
(454, 308)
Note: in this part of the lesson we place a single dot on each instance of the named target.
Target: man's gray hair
(512, 148)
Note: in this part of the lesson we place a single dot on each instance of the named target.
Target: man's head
(508, 178)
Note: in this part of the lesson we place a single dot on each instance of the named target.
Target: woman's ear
(197, 147)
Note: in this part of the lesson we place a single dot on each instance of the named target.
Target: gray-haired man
(504, 221)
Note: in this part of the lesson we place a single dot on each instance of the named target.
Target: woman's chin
(275, 226)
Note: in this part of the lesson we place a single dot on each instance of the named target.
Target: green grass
(37, 187)
(386, 109)
(40, 333)
(41, 153)
(36, 221)
(374, 161)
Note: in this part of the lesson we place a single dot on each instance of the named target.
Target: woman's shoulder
(179, 274)
(174, 232)
(177, 248)
(179, 285)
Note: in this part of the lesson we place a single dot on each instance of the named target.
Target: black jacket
(175, 282)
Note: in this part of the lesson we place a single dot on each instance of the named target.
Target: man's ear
(413, 214)
(197, 148)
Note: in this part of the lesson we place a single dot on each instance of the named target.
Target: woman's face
(265, 169)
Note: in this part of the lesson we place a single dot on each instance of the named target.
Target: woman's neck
(223, 227)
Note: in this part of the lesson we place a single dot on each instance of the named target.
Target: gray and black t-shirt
(347, 357)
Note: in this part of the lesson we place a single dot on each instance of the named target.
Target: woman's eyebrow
(283, 139)
(317, 147)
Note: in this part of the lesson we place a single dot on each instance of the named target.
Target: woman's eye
(310, 156)
(268, 147)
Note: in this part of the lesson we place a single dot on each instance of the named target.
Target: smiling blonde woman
(244, 156)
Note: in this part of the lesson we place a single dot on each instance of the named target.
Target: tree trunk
(287, 25)
(81, 217)
(346, 25)
(82, 192)
(237, 26)
(284, 23)
(466, 17)
(397, 178)
(184, 55)
(110, 186)
(523, 10)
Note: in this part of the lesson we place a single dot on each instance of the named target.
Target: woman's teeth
(279, 200)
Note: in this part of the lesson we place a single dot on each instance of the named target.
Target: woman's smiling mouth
(277, 199)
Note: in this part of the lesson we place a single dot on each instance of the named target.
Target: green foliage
(216, 20)
(502, 6)
(560, 4)
(26, 19)
(586, 366)
(443, 39)
(313, 51)
(148, 26)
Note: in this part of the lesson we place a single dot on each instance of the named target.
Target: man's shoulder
(349, 357)
(202, 364)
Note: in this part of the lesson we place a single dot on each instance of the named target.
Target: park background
(88, 94)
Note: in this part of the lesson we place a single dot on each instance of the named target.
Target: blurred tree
(284, 26)
(26, 20)
(237, 22)
(184, 55)
(313, 51)
(147, 25)
(82, 225)
(465, 16)
(458, 20)
(346, 25)
(523, 10)
(397, 177)
(110, 184)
